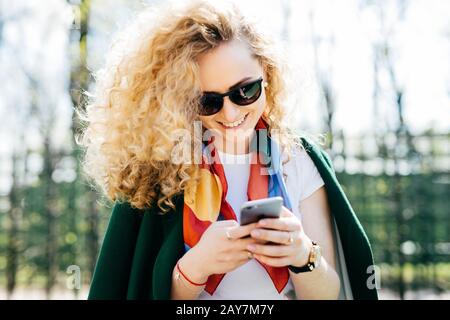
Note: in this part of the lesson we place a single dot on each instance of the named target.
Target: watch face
(317, 254)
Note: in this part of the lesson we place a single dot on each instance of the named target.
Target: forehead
(226, 65)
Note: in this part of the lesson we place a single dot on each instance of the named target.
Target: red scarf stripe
(194, 227)
(213, 282)
(258, 185)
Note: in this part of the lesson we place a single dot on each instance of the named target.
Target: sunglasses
(243, 95)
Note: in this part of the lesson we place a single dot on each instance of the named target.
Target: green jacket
(141, 247)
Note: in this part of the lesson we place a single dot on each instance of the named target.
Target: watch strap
(306, 268)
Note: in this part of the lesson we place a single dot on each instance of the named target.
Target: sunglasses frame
(229, 93)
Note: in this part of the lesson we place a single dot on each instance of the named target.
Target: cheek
(206, 121)
(259, 106)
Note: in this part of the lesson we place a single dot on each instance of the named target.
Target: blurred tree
(19, 155)
(80, 79)
(324, 76)
(14, 217)
(286, 9)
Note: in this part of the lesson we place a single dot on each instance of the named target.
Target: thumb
(285, 212)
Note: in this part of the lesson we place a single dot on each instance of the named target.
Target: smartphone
(253, 211)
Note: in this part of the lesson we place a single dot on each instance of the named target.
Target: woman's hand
(221, 249)
(289, 243)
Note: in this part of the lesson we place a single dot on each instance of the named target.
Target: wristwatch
(315, 256)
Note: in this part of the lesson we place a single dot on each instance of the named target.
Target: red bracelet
(190, 281)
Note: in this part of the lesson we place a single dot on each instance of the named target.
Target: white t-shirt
(251, 281)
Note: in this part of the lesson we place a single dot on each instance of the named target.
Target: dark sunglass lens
(247, 94)
(210, 104)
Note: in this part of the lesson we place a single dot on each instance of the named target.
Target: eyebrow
(234, 86)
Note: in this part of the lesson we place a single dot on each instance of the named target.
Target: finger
(270, 250)
(246, 255)
(274, 262)
(283, 224)
(276, 236)
(245, 259)
(241, 244)
(244, 242)
(227, 223)
(285, 212)
(237, 232)
(234, 257)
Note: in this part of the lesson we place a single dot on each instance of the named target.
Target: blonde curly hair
(149, 88)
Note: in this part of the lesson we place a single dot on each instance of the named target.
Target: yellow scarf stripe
(205, 200)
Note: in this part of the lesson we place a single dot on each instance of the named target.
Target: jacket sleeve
(112, 270)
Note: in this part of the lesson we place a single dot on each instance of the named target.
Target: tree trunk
(14, 217)
(79, 82)
(51, 246)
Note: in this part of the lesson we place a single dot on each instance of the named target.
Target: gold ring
(250, 255)
(228, 234)
(291, 238)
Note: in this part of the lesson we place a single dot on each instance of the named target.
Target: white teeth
(234, 124)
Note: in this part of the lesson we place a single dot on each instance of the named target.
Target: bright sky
(420, 55)
(35, 35)
(421, 51)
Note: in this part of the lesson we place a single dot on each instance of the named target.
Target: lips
(235, 124)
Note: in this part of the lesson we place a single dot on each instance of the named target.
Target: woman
(174, 232)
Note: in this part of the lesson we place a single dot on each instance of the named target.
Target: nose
(230, 112)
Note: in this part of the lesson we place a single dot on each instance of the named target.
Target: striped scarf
(207, 203)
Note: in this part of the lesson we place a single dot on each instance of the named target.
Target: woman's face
(221, 68)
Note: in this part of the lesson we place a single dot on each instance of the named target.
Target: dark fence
(398, 185)
(399, 188)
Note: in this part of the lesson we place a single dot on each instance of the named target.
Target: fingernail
(251, 247)
(263, 222)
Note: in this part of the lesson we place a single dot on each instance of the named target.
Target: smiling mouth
(233, 125)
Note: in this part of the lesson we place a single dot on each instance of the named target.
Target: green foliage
(414, 250)
(425, 241)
